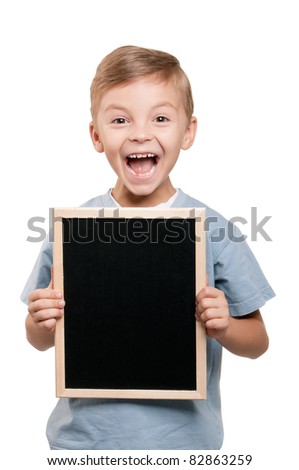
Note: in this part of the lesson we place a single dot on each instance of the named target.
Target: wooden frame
(62, 249)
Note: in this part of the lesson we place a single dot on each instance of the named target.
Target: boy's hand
(45, 307)
(212, 309)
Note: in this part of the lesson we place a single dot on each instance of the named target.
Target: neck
(126, 198)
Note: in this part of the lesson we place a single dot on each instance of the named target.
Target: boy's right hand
(45, 307)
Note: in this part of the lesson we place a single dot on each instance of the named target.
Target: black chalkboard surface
(129, 278)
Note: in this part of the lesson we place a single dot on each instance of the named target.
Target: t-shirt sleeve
(41, 274)
(238, 274)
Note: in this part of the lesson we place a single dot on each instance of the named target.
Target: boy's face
(141, 127)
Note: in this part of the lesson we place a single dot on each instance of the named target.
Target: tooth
(141, 155)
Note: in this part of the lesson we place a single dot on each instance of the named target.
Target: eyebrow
(167, 104)
(115, 106)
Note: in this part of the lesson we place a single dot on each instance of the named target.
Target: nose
(141, 133)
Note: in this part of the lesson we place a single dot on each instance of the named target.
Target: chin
(142, 192)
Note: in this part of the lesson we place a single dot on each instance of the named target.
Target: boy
(142, 116)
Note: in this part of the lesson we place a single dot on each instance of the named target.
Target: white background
(242, 60)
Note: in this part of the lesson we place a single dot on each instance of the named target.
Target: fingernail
(58, 295)
(61, 303)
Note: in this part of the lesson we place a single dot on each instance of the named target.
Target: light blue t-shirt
(82, 423)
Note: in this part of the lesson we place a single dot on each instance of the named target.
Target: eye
(161, 119)
(119, 120)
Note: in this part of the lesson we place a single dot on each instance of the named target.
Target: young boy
(142, 116)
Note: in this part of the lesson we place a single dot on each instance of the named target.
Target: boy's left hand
(212, 310)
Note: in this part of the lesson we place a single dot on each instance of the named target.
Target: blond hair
(129, 63)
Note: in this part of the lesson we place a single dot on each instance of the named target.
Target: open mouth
(142, 164)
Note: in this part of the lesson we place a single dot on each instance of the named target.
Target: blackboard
(129, 278)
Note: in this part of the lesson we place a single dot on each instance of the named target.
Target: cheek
(110, 146)
(175, 147)
(112, 142)
(111, 159)
(175, 138)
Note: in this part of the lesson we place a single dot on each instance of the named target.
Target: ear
(96, 138)
(190, 133)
